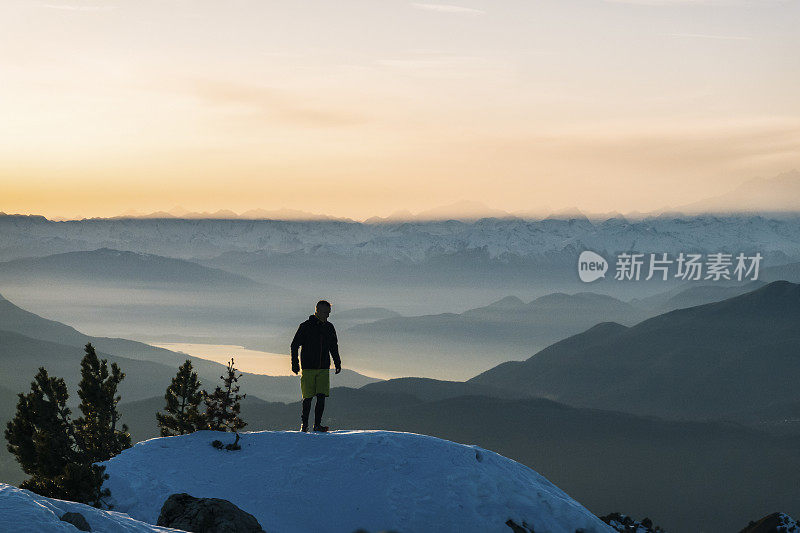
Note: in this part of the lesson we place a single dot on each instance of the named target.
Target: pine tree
(183, 398)
(41, 437)
(83, 482)
(222, 406)
(96, 432)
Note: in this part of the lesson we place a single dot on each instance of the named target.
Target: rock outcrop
(206, 515)
(77, 520)
(773, 523)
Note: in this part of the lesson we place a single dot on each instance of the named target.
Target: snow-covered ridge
(407, 241)
(346, 480)
(22, 511)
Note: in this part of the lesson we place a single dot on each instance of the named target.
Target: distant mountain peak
(780, 193)
(464, 210)
(227, 214)
(607, 327)
(507, 302)
(780, 284)
(780, 289)
(568, 212)
(122, 266)
(112, 251)
(773, 293)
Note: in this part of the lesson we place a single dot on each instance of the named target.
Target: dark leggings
(318, 409)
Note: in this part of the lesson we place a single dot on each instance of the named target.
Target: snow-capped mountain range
(504, 240)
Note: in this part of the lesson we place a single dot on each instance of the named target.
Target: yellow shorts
(315, 381)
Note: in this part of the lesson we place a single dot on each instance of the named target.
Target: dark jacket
(319, 344)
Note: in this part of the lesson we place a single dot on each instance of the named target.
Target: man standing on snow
(318, 339)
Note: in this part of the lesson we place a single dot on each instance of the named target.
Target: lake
(245, 360)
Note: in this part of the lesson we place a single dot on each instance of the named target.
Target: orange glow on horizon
(527, 108)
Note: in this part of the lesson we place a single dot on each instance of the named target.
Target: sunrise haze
(358, 109)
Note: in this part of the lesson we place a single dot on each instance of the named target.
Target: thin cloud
(449, 8)
(67, 7)
(678, 2)
(707, 36)
(433, 63)
(697, 2)
(264, 103)
(680, 149)
(452, 67)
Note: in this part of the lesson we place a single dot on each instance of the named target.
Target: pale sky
(360, 108)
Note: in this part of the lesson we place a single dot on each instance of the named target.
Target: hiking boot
(320, 428)
(304, 427)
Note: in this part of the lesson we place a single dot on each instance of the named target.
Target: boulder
(206, 515)
(77, 520)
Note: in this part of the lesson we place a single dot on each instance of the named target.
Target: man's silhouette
(319, 343)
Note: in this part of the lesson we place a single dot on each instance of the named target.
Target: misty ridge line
(550, 425)
(442, 278)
